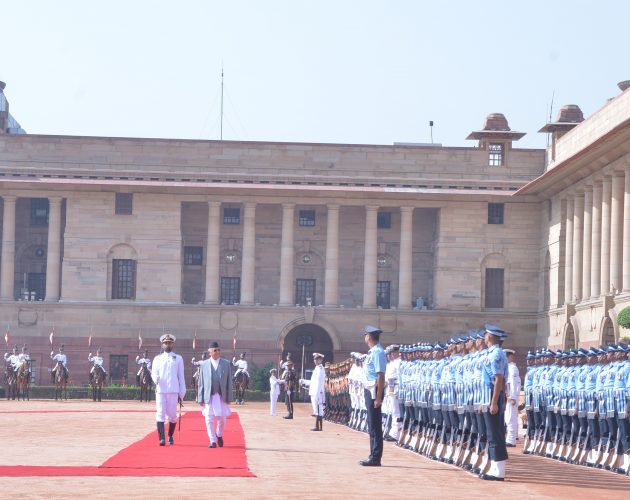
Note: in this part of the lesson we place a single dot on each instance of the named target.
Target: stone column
(287, 255)
(578, 216)
(213, 259)
(568, 251)
(596, 240)
(369, 264)
(405, 273)
(331, 287)
(7, 262)
(53, 255)
(248, 270)
(616, 226)
(626, 234)
(605, 244)
(586, 242)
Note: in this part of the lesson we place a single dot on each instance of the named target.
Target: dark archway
(308, 338)
(608, 332)
(569, 337)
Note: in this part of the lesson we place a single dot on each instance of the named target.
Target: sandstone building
(291, 247)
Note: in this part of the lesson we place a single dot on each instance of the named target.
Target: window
(305, 292)
(307, 217)
(384, 220)
(230, 290)
(382, 294)
(123, 279)
(124, 203)
(37, 285)
(232, 216)
(495, 213)
(494, 288)
(193, 256)
(495, 155)
(118, 365)
(39, 211)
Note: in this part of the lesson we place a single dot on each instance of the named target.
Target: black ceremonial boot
(171, 430)
(160, 428)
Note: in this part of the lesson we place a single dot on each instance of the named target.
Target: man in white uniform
(274, 390)
(512, 392)
(316, 390)
(14, 359)
(241, 365)
(144, 360)
(170, 386)
(97, 363)
(60, 357)
(392, 403)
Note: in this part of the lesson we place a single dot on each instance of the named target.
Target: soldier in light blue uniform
(495, 371)
(621, 394)
(528, 386)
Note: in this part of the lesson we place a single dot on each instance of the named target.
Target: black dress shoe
(488, 477)
(510, 445)
(212, 445)
(220, 441)
(162, 442)
(170, 440)
(288, 417)
(370, 463)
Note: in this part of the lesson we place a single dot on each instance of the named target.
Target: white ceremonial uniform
(391, 396)
(168, 377)
(316, 390)
(512, 391)
(96, 361)
(241, 366)
(60, 357)
(143, 361)
(274, 392)
(14, 359)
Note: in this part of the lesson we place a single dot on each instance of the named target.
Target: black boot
(320, 423)
(316, 428)
(160, 428)
(171, 430)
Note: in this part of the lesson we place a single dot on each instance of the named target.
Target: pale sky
(365, 71)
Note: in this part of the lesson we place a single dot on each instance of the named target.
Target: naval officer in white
(170, 386)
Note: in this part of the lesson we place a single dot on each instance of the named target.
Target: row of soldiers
(441, 400)
(577, 406)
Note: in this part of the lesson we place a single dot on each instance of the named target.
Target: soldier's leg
(160, 416)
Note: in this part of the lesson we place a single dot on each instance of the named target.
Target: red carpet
(190, 456)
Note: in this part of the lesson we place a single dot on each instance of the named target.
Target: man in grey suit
(215, 393)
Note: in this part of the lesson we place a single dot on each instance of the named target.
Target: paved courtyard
(288, 460)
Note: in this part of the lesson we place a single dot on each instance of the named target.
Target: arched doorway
(569, 337)
(608, 332)
(307, 338)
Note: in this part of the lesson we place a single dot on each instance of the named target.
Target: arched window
(121, 272)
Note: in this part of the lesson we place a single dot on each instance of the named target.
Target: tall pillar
(616, 226)
(7, 262)
(405, 273)
(287, 255)
(213, 260)
(605, 245)
(586, 242)
(578, 216)
(248, 271)
(53, 255)
(596, 240)
(331, 287)
(568, 251)
(626, 233)
(369, 264)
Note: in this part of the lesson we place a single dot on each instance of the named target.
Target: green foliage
(623, 318)
(260, 377)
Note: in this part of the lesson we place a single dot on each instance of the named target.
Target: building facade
(272, 248)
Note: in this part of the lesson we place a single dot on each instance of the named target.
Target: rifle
(565, 456)
(405, 429)
(433, 451)
(465, 456)
(614, 460)
(580, 452)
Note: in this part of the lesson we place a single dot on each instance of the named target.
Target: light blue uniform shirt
(496, 364)
(375, 362)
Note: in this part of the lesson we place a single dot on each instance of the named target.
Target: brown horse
(97, 381)
(11, 377)
(24, 380)
(145, 383)
(241, 382)
(61, 381)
